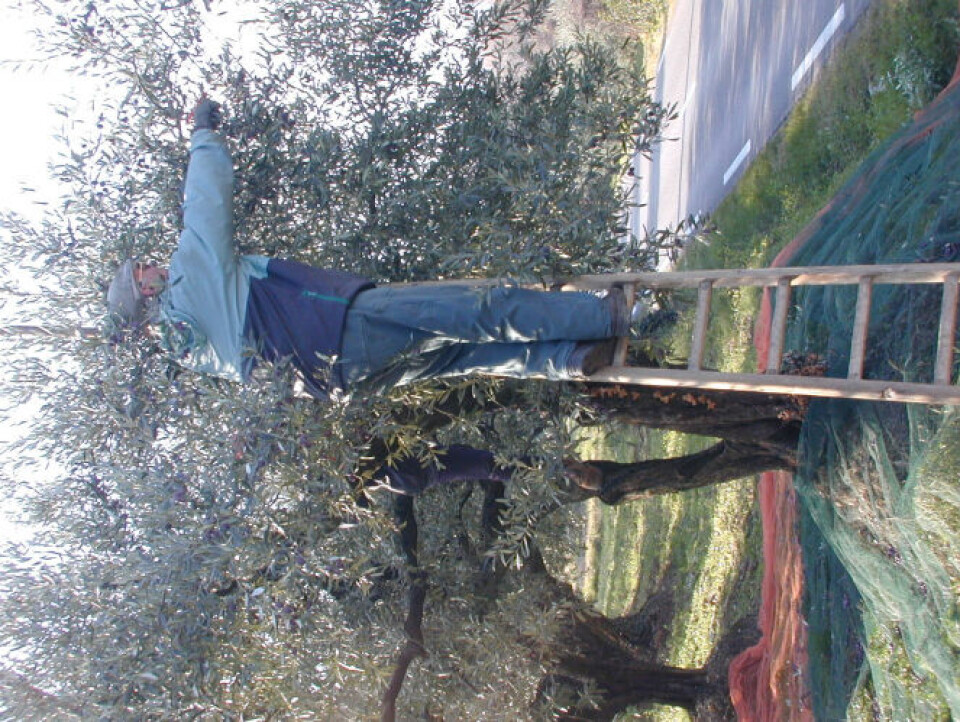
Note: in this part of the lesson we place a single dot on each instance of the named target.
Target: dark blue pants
(398, 335)
(460, 463)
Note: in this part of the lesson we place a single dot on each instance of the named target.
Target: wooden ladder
(854, 386)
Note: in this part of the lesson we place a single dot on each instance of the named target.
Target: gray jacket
(206, 297)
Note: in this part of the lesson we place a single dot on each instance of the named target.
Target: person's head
(134, 284)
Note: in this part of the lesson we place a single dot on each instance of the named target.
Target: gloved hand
(206, 115)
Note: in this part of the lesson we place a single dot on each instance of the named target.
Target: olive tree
(209, 549)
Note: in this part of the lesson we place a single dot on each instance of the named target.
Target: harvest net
(879, 484)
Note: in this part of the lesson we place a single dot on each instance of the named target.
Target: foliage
(205, 553)
(632, 29)
(640, 17)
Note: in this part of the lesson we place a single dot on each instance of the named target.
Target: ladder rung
(623, 343)
(697, 343)
(778, 326)
(861, 322)
(948, 329)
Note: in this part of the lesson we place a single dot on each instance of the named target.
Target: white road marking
(686, 100)
(818, 46)
(737, 162)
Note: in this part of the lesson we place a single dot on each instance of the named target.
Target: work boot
(616, 301)
(588, 357)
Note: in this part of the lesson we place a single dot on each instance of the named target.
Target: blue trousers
(460, 463)
(398, 335)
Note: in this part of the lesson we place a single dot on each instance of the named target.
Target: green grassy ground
(698, 554)
(691, 561)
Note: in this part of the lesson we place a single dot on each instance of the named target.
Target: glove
(206, 116)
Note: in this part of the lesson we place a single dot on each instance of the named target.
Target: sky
(33, 89)
(28, 125)
(27, 129)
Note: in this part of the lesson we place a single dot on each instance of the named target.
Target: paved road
(733, 69)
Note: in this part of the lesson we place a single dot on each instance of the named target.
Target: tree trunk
(624, 685)
(593, 650)
(625, 679)
(614, 483)
(414, 647)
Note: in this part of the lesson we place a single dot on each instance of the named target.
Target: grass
(705, 545)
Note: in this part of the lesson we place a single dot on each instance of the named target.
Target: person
(410, 476)
(219, 312)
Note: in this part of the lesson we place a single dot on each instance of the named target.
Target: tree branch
(50, 332)
(411, 650)
(28, 699)
(724, 461)
(413, 626)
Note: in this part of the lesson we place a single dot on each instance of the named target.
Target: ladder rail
(819, 386)
(721, 278)
(901, 273)
(698, 342)
(861, 322)
(948, 330)
(778, 326)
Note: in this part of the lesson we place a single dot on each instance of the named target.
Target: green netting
(834, 624)
(881, 482)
